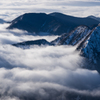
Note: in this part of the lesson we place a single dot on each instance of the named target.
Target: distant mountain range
(52, 24)
(2, 21)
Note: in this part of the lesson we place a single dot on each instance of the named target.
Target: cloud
(42, 83)
(74, 3)
(43, 72)
(15, 36)
(11, 9)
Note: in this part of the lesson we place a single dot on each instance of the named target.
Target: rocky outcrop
(27, 44)
(92, 49)
(74, 37)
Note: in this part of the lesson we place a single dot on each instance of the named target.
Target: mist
(42, 72)
(15, 35)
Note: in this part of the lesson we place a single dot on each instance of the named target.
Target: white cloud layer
(10, 9)
(42, 72)
(15, 36)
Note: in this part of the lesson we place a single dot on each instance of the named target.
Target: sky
(10, 9)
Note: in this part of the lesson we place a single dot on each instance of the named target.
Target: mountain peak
(93, 17)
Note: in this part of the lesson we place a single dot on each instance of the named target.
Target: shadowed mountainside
(52, 24)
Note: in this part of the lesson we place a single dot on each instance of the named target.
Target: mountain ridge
(53, 23)
(93, 17)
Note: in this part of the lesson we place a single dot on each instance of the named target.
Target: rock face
(52, 24)
(74, 37)
(27, 44)
(92, 48)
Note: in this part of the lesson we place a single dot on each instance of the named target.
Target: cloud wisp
(15, 36)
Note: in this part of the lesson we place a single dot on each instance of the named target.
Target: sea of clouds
(42, 72)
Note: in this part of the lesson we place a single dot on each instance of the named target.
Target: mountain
(91, 49)
(87, 21)
(72, 38)
(52, 24)
(40, 22)
(27, 44)
(93, 17)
